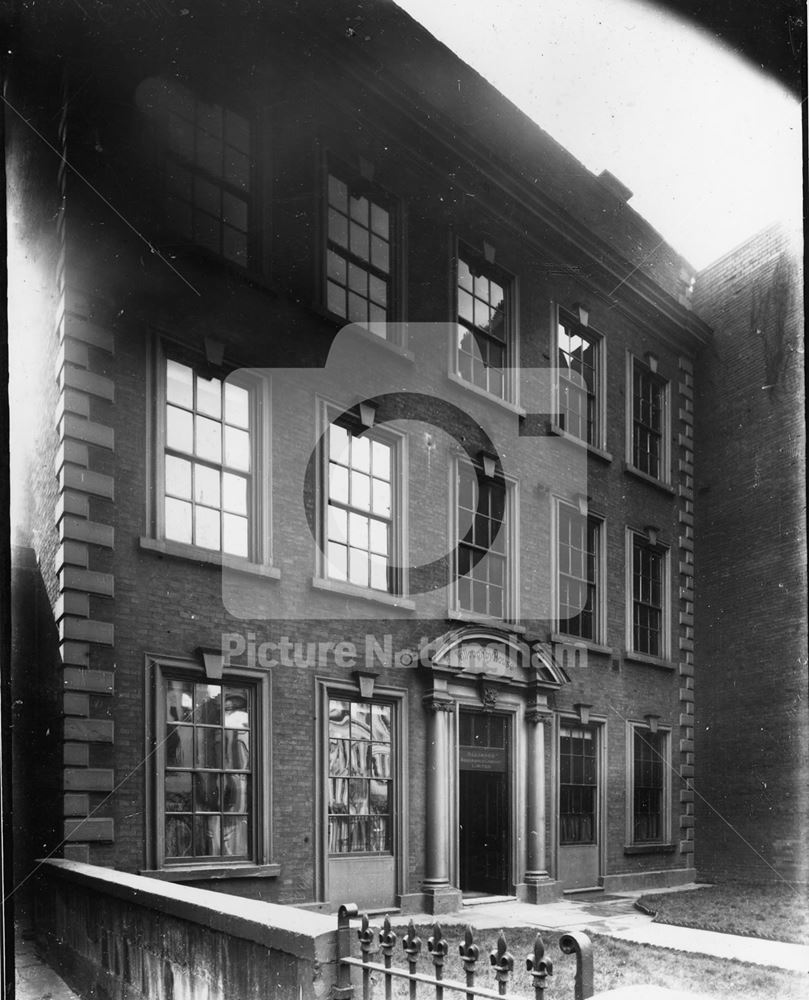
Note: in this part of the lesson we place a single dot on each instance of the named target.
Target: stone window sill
(649, 848)
(364, 594)
(455, 615)
(365, 336)
(576, 642)
(194, 873)
(483, 394)
(191, 553)
(632, 470)
(650, 661)
(591, 449)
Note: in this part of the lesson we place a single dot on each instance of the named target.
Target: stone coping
(305, 935)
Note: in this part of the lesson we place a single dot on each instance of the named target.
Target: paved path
(34, 979)
(614, 915)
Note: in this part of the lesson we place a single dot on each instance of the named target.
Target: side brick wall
(752, 730)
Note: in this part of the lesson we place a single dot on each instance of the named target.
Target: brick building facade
(364, 501)
(752, 718)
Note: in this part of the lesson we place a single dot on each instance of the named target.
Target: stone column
(538, 887)
(441, 897)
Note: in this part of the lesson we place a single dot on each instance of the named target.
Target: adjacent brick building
(392, 612)
(752, 719)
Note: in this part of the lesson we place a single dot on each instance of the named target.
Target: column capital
(537, 716)
(437, 701)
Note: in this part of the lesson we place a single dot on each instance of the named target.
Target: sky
(710, 146)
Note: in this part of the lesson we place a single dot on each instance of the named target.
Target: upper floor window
(208, 461)
(360, 528)
(206, 152)
(649, 421)
(649, 598)
(579, 380)
(578, 563)
(359, 254)
(483, 349)
(483, 584)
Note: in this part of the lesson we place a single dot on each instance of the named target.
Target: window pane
(208, 439)
(382, 498)
(337, 567)
(207, 527)
(379, 572)
(339, 758)
(237, 449)
(358, 567)
(338, 483)
(338, 228)
(237, 754)
(179, 746)
(338, 193)
(338, 444)
(237, 405)
(361, 454)
(179, 384)
(379, 221)
(360, 491)
(235, 539)
(209, 396)
(206, 485)
(378, 537)
(234, 493)
(178, 840)
(178, 791)
(179, 700)
(179, 429)
(381, 460)
(178, 477)
(178, 521)
(358, 530)
(206, 836)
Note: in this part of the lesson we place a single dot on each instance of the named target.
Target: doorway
(579, 812)
(483, 803)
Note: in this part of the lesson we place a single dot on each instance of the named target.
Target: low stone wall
(115, 936)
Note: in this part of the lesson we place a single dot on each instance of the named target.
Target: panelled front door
(579, 847)
(483, 803)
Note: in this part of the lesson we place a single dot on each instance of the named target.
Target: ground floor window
(210, 779)
(208, 775)
(577, 785)
(648, 785)
(360, 776)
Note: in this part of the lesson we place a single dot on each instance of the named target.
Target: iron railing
(500, 958)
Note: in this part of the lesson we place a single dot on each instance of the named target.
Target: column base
(538, 891)
(442, 898)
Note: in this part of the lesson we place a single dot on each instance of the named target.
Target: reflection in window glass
(360, 777)
(208, 774)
